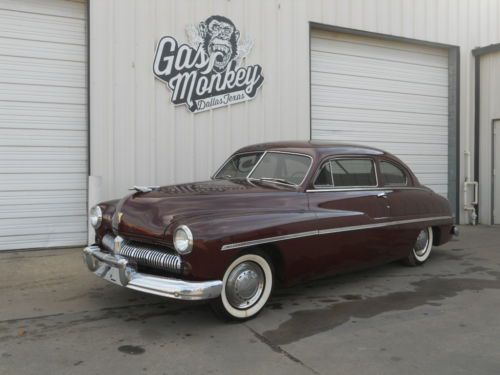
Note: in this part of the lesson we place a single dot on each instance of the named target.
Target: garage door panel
(54, 209)
(42, 166)
(44, 240)
(397, 148)
(379, 42)
(366, 99)
(43, 137)
(432, 169)
(44, 153)
(61, 8)
(433, 182)
(42, 181)
(50, 226)
(42, 94)
(384, 131)
(394, 71)
(420, 158)
(378, 52)
(437, 188)
(32, 71)
(29, 115)
(381, 137)
(378, 84)
(37, 197)
(42, 50)
(380, 116)
(41, 27)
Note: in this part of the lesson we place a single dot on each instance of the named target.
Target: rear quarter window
(392, 174)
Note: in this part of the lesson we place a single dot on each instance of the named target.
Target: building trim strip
(487, 49)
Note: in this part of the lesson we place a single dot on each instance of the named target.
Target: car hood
(148, 215)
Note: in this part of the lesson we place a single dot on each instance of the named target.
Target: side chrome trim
(380, 225)
(311, 233)
(387, 188)
(238, 245)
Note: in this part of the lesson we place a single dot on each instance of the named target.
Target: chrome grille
(149, 256)
(146, 255)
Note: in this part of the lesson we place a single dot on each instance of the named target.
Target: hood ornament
(144, 189)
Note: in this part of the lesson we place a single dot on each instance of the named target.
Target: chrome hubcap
(245, 285)
(422, 243)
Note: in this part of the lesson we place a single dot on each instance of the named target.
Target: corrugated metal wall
(138, 137)
(490, 109)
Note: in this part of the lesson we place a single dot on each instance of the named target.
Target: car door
(405, 202)
(349, 206)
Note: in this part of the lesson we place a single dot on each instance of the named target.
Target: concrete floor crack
(280, 350)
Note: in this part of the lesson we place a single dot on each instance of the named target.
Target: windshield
(271, 166)
(282, 167)
(239, 166)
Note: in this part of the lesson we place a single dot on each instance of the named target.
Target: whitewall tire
(422, 248)
(246, 287)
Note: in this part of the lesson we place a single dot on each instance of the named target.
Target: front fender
(208, 260)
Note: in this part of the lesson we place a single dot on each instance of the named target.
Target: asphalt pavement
(442, 318)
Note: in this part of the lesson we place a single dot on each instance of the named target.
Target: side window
(353, 172)
(324, 179)
(393, 175)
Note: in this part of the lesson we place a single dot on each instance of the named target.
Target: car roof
(314, 148)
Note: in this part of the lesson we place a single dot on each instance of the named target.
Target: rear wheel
(247, 285)
(422, 248)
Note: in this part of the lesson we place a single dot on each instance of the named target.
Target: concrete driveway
(442, 318)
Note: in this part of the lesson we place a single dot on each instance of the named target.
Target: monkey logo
(207, 73)
(220, 39)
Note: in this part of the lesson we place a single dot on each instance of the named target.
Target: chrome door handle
(382, 195)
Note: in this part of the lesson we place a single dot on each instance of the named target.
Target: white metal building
(79, 97)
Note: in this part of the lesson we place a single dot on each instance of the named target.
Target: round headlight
(95, 216)
(183, 240)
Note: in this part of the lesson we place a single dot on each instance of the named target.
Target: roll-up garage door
(43, 133)
(386, 94)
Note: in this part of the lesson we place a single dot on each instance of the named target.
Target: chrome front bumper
(116, 269)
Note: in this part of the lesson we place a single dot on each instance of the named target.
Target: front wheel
(422, 248)
(247, 285)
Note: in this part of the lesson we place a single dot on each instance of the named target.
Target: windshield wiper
(272, 179)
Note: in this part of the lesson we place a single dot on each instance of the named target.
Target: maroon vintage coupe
(273, 213)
